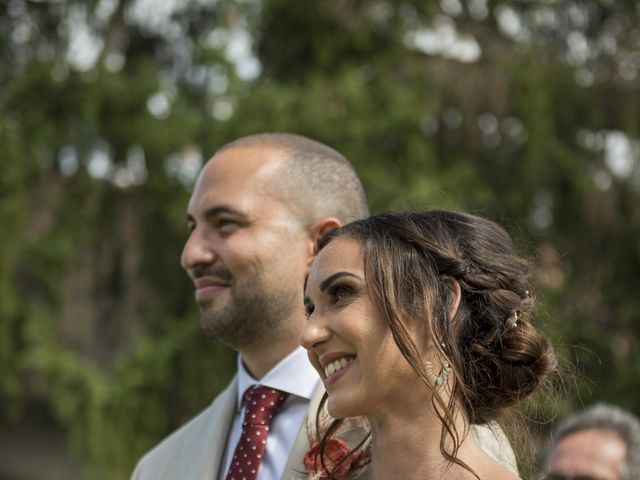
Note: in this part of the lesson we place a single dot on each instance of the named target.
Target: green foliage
(97, 320)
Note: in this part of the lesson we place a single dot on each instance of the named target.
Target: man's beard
(252, 313)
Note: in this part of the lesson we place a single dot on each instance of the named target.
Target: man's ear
(454, 286)
(316, 232)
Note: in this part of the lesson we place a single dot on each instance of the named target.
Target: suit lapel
(223, 412)
(295, 467)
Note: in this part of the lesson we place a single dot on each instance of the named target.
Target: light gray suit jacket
(196, 451)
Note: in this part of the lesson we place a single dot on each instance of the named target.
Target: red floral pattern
(335, 460)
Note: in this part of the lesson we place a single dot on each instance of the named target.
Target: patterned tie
(261, 404)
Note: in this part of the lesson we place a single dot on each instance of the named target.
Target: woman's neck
(406, 445)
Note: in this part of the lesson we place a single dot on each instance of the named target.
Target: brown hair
(497, 356)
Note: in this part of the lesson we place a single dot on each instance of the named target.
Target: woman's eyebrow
(329, 280)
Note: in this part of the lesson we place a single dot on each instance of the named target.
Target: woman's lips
(336, 367)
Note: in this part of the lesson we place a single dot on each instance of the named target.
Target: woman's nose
(315, 333)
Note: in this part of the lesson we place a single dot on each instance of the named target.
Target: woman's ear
(456, 291)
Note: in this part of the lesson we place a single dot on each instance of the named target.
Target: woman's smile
(335, 369)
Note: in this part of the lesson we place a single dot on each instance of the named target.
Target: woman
(420, 323)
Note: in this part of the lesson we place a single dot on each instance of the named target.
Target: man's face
(246, 252)
(590, 454)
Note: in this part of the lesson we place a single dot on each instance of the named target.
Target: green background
(525, 112)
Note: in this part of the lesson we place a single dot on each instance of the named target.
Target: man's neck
(260, 361)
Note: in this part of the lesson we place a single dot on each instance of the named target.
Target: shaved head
(314, 179)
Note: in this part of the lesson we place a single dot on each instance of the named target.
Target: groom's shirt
(294, 375)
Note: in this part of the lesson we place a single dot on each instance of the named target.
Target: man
(602, 442)
(257, 210)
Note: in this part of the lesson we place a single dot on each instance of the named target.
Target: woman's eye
(308, 310)
(341, 292)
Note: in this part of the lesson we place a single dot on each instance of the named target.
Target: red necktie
(261, 405)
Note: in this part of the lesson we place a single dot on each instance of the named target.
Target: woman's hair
(497, 356)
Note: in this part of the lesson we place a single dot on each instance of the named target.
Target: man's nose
(197, 251)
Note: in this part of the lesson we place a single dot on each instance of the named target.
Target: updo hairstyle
(497, 356)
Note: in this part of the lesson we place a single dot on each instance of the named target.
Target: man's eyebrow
(329, 280)
(216, 210)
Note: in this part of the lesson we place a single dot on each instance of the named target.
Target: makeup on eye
(327, 282)
(336, 288)
(340, 291)
(308, 308)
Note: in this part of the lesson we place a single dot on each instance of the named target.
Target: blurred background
(523, 111)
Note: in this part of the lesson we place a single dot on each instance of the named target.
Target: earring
(438, 380)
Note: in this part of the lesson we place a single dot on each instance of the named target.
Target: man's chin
(210, 330)
(228, 335)
(212, 307)
(210, 316)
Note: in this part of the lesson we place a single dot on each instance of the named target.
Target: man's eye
(226, 225)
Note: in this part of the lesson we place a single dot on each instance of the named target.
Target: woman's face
(348, 342)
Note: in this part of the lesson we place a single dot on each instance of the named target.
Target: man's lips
(208, 286)
(209, 282)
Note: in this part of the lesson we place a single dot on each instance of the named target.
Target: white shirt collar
(293, 374)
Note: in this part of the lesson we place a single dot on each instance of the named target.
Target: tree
(523, 112)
